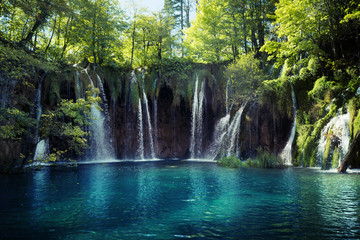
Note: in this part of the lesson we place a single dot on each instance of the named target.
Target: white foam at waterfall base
(339, 127)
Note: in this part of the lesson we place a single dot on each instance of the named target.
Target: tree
(97, 29)
(67, 121)
(245, 76)
(311, 28)
(148, 39)
(206, 39)
(179, 10)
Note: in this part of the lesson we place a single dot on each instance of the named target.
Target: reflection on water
(174, 199)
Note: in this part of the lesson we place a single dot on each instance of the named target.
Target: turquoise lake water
(176, 200)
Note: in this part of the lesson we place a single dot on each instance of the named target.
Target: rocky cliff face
(261, 126)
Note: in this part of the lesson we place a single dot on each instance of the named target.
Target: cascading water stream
(140, 131)
(199, 129)
(197, 120)
(152, 152)
(42, 146)
(218, 136)
(337, 128)
(100, 135)
(79, 90)
(193, 119)
(233, 132)
(155, 114)
(286, 152)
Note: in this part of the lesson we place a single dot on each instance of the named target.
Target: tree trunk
(352, 155)
(51, 37)
(39, 20)
(187, 13)
(66, 37)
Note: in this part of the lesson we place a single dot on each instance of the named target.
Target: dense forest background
(262, 45)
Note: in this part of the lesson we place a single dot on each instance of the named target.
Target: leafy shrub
(246, 75)
(269, 160)
(264, 159)
(231, 162)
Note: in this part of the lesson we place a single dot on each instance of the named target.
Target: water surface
(178, 199)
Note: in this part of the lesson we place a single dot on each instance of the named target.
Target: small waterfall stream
(151, 141)
(286, 152)
(101, 142)
(42, 149)
(220, 131)
(140, 132)
(42, 146)
(233, 133)
(155, 114)
(197, 120)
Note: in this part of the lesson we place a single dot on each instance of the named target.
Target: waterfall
(155, 113)
(197, 120)
(140, 132)
(100, 138)
(193, 119)
(79, 90)
(227, 96)
(337, 129)
(220, 131)
(149, 124)
(199, 129)
(103, 98)
(233, 132)
(286, 152)
(42, 149)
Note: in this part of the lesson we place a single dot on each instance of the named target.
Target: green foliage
(321, 86)
(14, 124)
(231, 162)
(269, 160)
(18, 64)
(178, 73)
(264, 159)
(66, 122)
(246, 76)
(148, 40)
(308, 137)
(277, 93)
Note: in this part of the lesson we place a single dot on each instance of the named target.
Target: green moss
(113, 78)
(321, 86)
(336, 156)
(326, 161)
(308, 137)
(313, 65)
(134, 94)
(356, 124)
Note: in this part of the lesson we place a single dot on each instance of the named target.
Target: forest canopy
(103, 33)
